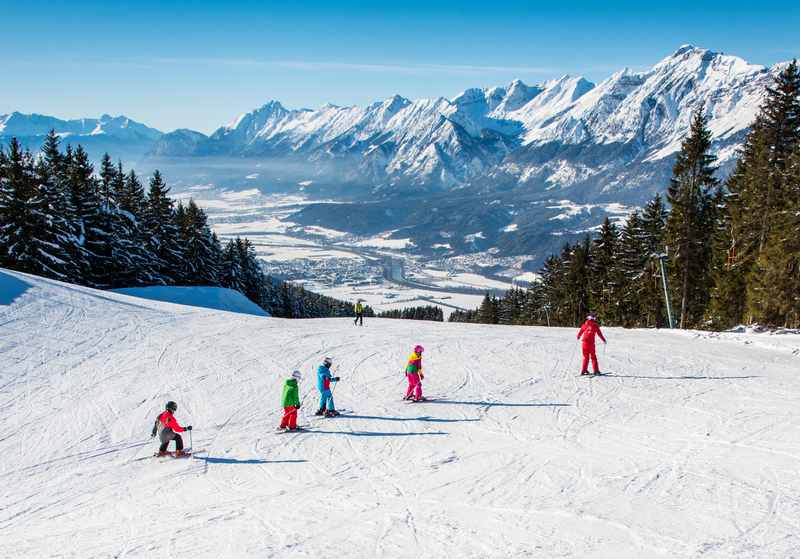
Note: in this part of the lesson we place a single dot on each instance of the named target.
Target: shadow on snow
(425, 418)
(494, 404)
(376, 433)
(686, 377)
(212, 460)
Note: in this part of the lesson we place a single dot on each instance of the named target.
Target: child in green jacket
(290, 402)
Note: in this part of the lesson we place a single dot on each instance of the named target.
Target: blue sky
(198, 64)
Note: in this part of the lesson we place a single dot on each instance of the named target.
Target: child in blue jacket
(324, 379)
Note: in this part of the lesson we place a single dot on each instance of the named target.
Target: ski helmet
(297, 375)
(172, 406)
(419, 349)
(327, 361)
(591, 316)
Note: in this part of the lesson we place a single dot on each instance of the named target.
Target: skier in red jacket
(587, 333)
(167, 428)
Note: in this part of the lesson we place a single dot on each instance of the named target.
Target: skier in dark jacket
(167, 429)
(359, 314)
(586, 334)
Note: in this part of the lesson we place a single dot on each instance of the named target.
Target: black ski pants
(168, 435)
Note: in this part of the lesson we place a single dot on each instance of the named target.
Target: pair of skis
(187, 453)
(307, 428)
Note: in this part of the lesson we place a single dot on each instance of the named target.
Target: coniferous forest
(427, 312)
(732, 248)
(62, 220)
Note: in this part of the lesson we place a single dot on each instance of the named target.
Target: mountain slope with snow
(217, 298)
(618, 136)
(118, 135)
(688, 449)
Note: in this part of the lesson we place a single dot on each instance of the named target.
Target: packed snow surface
(689, 448)
(218, 298)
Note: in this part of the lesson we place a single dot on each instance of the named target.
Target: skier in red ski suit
(167, 428)
(587, 333)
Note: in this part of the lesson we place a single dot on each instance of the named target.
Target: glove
(153, 433)
(421, 376)
(336, 379)
(188, 427)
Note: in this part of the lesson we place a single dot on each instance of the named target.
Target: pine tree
(605, 280)
(201, 252)
(54, 205)
(690, 223)
(30, 239)
(651, 295)
(775, 285)
(231, 269)
(632, 264)
(487, 313)
(162, 232)
(756, 202)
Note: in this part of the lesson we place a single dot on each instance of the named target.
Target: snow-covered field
(387, 296)
(689, 449)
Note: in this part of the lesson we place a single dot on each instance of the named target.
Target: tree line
(731, 249)
(427, 312)
(62, 220)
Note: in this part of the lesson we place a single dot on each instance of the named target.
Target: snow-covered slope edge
(689, 450)
(218, 298)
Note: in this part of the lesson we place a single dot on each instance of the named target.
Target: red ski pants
(289, 418)
(414, 386)
(588, 352)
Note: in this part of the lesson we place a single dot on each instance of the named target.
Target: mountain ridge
(614, 139)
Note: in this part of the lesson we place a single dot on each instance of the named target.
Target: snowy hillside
(690, 448)
(564, 133)
(218, 298)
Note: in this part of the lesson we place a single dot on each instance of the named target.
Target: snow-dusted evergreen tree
(231, 268)
(54, 202)
(651, 294)
(30, 240)
(162, 232)
(690, 224)
(93, 237)
(252, 276)
(201, 251)
(605, 278)
(632, 264)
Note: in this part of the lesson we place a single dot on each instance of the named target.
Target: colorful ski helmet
(327, 361)
(172, 406)
(591, 316)
(419, 349)
(297, 375)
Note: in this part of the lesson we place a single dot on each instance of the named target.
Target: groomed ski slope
(691, 449)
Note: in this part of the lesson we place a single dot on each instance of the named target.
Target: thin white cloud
(314, 66)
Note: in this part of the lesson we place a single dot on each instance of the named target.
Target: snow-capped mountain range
(617, 135)
(615, 140)
(118, 135)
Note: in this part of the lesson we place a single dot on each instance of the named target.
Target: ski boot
(331, 413)
(161, 453)
(180, 454)
(320, 411)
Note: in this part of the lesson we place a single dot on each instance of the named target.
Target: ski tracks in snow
(688, 448)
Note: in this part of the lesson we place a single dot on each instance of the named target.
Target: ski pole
(191, 444)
